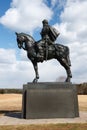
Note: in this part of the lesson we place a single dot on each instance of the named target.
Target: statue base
(49, 100)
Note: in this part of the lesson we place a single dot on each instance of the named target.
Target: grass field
(10, 102)
(13, 102)
(46, 127)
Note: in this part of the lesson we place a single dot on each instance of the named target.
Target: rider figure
(45, 32)
(48, 35)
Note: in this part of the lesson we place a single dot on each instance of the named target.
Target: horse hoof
(68, 80)
(35, 80)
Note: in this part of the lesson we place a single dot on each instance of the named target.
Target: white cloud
(26, 15)
(73, 33)
(13, 72)
(76, 18)
(79, 61)
(58, 3)
(7, 56)
(53, 2)
(73, 26)
(23, 55)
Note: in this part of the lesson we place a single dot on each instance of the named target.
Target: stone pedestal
(49, 100)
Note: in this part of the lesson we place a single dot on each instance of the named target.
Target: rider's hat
(45, 21)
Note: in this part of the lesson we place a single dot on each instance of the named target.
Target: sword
(46, 49)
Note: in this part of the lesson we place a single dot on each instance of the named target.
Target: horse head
(22, 37)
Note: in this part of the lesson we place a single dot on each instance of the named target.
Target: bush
(82, 89)
(4, 91)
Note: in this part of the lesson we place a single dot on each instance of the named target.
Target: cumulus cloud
(7, 56)
(13, 72)
(73, 29)
(73, 21)
(26, 15)
(58, 3)
(23, 55)
(79, 60)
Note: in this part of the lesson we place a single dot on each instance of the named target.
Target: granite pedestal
(49, 100)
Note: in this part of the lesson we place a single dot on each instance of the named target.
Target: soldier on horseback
(56, 51)
(48, 35)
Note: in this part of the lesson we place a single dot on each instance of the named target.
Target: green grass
(46, 127)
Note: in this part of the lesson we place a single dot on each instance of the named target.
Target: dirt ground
(13, 102)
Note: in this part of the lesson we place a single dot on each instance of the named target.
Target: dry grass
(82, 99)
(46, 127)
(10, 102)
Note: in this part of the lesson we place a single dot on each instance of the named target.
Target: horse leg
(36, 72)
(69, 75)
(64, 63)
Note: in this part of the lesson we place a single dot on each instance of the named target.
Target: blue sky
(4, 6)
(68, 16)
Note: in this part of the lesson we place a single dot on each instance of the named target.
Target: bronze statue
(45, 49)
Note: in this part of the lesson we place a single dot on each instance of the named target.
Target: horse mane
(28, 36)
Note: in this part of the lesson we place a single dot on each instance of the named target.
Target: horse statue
(55, 51)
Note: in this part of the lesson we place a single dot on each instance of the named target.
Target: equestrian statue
(45, 49)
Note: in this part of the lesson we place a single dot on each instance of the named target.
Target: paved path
(15, 119)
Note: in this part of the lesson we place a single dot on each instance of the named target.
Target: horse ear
(16, 33)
